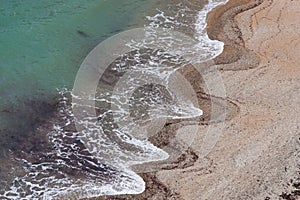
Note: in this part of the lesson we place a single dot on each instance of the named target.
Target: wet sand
(257, 154)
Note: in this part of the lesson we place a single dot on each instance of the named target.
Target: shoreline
(231, 50)
(237, 62)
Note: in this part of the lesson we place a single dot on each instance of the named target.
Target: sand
(257, 154)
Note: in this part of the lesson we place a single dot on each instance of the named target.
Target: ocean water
(42, 45)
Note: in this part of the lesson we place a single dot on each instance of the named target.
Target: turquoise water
(42, 44)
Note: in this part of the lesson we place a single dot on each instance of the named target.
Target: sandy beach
(257, 154)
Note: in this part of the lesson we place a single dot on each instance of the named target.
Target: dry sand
(257, 154)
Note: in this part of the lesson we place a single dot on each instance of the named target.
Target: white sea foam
(213, 46)
(110, 174)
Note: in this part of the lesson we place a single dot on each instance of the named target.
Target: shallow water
(42, 45)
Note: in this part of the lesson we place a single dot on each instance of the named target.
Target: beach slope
(257, 155)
